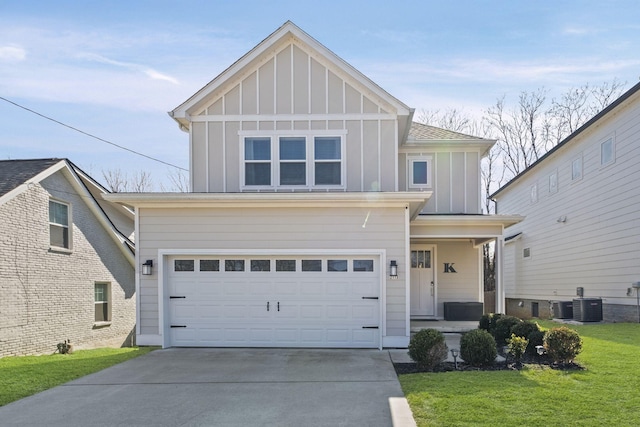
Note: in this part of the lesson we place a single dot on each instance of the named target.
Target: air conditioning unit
(563, 309)
(587, 309)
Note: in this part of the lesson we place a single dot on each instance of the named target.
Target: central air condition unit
(563, 309)
(587, 309)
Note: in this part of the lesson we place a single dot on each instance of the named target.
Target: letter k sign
(448, 267)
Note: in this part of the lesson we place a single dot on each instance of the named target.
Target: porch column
(500, 303)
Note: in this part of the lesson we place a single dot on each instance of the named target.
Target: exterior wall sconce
(147, 268)
(393, 269)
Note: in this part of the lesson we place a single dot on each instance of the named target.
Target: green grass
(606, 393)
(26, 375)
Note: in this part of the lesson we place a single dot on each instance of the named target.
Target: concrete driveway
(226, 387)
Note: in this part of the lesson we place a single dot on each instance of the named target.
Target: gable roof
(17, 175)
(595, 119)
(16, 172)
(287, 30)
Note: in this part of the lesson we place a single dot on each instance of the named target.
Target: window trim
(68, 226)
(310, 160)
(411, 160)
(553, 182)
(577, 177)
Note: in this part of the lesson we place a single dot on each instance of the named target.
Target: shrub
(478, 348)
(488, 322)
(531, 331)
(428, 348)
(562, 344)
(503, 328)
(517, 346)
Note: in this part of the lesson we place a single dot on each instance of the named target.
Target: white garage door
(283, 301)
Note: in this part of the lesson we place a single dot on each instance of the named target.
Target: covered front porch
(447, 269)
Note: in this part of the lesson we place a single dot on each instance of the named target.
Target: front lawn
(606, 393)
(26, 375)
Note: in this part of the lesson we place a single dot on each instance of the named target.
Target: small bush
(517, 346)
(562, 344)
(428, 349)
(503, 328)
(478, 348)
(488, 322)
(531, 331)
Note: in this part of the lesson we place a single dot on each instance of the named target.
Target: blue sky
(114, 68)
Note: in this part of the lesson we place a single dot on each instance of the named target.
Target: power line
(92, 136)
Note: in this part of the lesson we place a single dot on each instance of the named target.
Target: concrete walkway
(226, 387)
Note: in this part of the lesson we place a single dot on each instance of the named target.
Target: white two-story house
(581, 236)
(320, 214)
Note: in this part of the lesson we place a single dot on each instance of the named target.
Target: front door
(423, 288)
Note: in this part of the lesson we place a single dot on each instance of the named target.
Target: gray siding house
(581, 234)
(320, 214)
(66, 260)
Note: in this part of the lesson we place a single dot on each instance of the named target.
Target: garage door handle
(369, 327)
(178, 326)
(267, 305)
(369, 297)
(175, 297)
(278, 305)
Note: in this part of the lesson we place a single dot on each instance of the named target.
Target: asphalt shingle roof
(16, 172)
(420, 131)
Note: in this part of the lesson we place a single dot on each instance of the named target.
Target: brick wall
(48, 296)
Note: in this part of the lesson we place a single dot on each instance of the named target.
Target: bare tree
(179, 181)
(118, 181)
(450, 119)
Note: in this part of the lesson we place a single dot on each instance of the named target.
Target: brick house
(66, 260)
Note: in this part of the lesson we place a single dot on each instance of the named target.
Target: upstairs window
(576, 169)
(328, 160)
(257, 157)
(607, 152)
(292, 161)
(420, 172)
(59, 235)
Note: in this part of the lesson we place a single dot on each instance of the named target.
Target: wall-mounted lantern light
(147, 267)
(393, 269)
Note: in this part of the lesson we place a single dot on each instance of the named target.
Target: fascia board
(481, 220)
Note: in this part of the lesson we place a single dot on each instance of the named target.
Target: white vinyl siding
(587, 235)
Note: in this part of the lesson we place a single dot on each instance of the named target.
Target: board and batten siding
(587, 232)
(295, 89)
(263, 229)
(455, 180)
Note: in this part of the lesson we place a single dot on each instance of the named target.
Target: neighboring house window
(533, 193)
(526, 253)
(102, 293)
(607, 152)
(295, 161)
(257, 166)
(328, 160)
(59, 234)
(420, 172)
(553, 182)
(576, 169)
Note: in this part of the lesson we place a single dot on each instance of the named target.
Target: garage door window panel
(286, 265)
(339, 265)
(209, 265)
(184, 265)
(363, 265)
(234, 265)
(311, 265)
(260, 265)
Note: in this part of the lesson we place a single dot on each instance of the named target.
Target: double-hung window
(292, 161)
(102, 294)
(257, 161)
(327, 160)
(59, 235)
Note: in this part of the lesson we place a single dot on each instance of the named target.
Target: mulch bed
(412, 368)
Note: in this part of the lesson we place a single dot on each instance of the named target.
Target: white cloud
(12, 54)
(150, 72)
